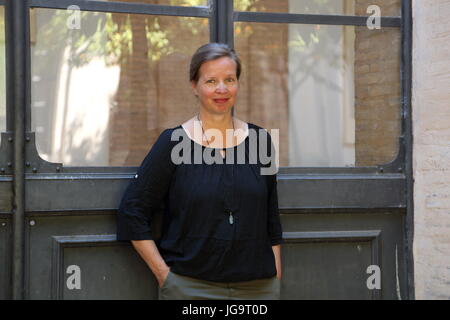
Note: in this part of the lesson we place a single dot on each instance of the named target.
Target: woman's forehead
(212, 75)
(223, 64)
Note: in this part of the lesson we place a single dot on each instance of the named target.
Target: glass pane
(332, 91)
(102, 93)
(184, 3)
(188, 3)
(2, 71)
(341, 7)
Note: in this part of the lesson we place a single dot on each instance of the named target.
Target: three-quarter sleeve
(273, 221)
(145, 192)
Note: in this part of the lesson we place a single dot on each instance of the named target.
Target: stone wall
(431, 152)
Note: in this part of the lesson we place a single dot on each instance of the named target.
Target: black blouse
(220, 220)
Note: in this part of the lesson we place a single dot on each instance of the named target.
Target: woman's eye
(210, 81)
(230, 80)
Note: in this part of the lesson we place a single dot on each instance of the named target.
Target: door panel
(327, 255)
(108, 269)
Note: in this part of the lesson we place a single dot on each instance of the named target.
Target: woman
(221, 228)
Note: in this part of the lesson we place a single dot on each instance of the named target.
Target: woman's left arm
(273, 222)
(277, 253)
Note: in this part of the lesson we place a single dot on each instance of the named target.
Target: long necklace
(204, 135)
(230, 218)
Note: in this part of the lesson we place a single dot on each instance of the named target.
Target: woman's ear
(194, 88)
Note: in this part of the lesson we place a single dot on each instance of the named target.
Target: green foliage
(110, 36)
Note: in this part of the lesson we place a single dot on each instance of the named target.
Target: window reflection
(332, 91)
(332, 7)
(103, 93)
(184, 3)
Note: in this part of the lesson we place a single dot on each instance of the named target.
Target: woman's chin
(220, 109)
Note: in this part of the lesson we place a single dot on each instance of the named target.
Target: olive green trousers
(178, 287)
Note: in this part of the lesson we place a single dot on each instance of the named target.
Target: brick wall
(431, 152)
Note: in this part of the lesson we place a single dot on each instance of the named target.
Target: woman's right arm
(142, 198)
(149, 252)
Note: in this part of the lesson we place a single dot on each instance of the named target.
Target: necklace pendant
(230, 219)
(204, 135)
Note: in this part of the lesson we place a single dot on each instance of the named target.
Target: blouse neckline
(242, 142)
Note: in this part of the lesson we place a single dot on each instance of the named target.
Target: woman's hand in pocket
(162, 277)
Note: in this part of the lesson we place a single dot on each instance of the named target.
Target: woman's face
(217, 86)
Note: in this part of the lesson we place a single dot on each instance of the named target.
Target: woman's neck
(219, 121)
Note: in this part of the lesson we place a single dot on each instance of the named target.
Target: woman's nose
(221, 87)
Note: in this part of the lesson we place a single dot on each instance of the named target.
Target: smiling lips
(221, 100)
